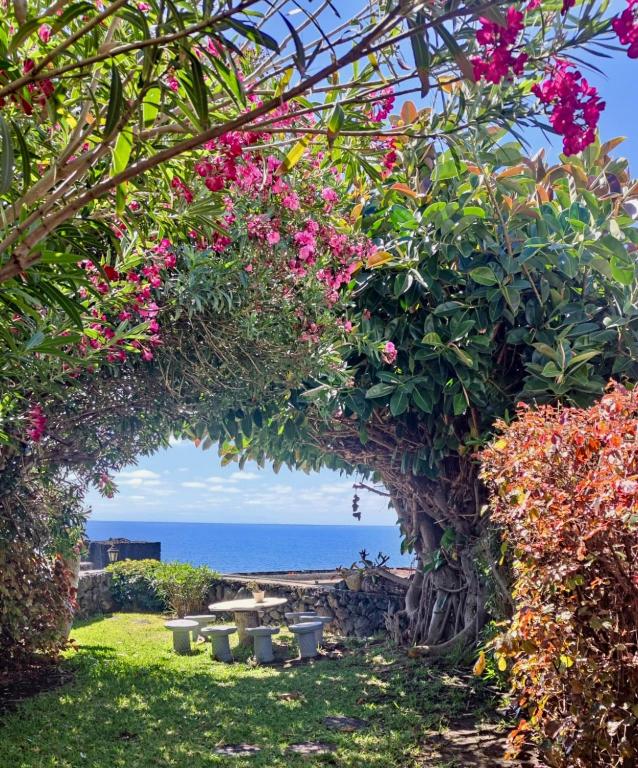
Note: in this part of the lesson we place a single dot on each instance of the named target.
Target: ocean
(231, 548)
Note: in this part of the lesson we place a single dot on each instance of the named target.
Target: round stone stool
(293, 617)
(202, 620)
(307, 638)
(263, 643)
(181, 629)
(219, 634)
(323, 620)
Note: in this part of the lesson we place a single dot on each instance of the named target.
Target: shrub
(133, 585)
(564, 485)
(153, 585)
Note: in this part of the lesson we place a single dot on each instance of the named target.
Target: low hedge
(151, 585)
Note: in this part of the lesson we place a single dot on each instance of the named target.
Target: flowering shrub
(564, 486)
(37, 596)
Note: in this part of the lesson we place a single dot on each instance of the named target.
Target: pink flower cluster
(498, 60)
(132, 296)
(382, 109)
(389, 353)
(37, 423)
(575, 106)
(626, 27)
(39, 92)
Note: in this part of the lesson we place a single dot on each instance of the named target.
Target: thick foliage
(153, 585)
(565, 488)
(37, 596)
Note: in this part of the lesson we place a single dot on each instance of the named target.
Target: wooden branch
(358, 486)
(23, 257)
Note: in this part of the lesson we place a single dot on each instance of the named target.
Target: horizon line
(200, 522)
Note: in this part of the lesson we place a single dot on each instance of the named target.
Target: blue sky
(186, 484)
(189, 485)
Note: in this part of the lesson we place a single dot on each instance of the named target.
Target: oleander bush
(564, 485)
(153, 585)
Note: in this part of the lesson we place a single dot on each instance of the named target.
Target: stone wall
(94, 594)
(358, 613)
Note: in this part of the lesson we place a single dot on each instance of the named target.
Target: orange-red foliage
(564, 485)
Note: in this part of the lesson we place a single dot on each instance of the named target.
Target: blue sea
(231, 548)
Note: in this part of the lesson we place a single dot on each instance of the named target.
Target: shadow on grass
(135, 703)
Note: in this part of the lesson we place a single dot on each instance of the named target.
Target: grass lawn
(135, 703)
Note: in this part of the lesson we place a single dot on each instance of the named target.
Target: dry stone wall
(354, 613)
(94, 594)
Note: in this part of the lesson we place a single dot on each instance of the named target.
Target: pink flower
(291, 201)
(389, 353)
(248, 268)
(44, 33)
(497, 60)
(147, 355)
(272, 238)
(575, 106)
(37, 423)
(626, 27)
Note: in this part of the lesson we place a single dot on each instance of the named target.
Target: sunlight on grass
(135, 703)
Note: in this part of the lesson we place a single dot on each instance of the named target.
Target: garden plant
(313, 239)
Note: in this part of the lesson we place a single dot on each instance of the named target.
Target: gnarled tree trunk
(445, 603)
(441, 519)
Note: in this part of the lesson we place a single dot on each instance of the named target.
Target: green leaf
(229, 81)
(25, 155)
(459, 404)
(122, 151)
(446, 169)
(254, 34)
(432, 339)
(6, 158)
(457, 53)
(151, 105)
(546, 350)
(484, 276)
(300, 52)
(462, 356)
(380, 390)
(116, 103)
(583, 357)
(421, 54)
(551, 370)
(622, 271)
(423, 401)
(294, 156)
(399, 403)
(336, 121)
(196, 89)
(28, 28)
(473, 210)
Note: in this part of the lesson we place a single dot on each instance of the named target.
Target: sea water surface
(231, 548)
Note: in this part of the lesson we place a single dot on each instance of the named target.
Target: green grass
(135, 703)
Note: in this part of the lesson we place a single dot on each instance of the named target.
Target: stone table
(246, 613)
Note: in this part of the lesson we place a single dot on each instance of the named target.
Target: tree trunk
(446, 599)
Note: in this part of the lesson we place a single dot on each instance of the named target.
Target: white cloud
(138, 474)
(333, 488)
(175, 442)
(194, 484)
(223, 489)
(241, 476)
(137, 498)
